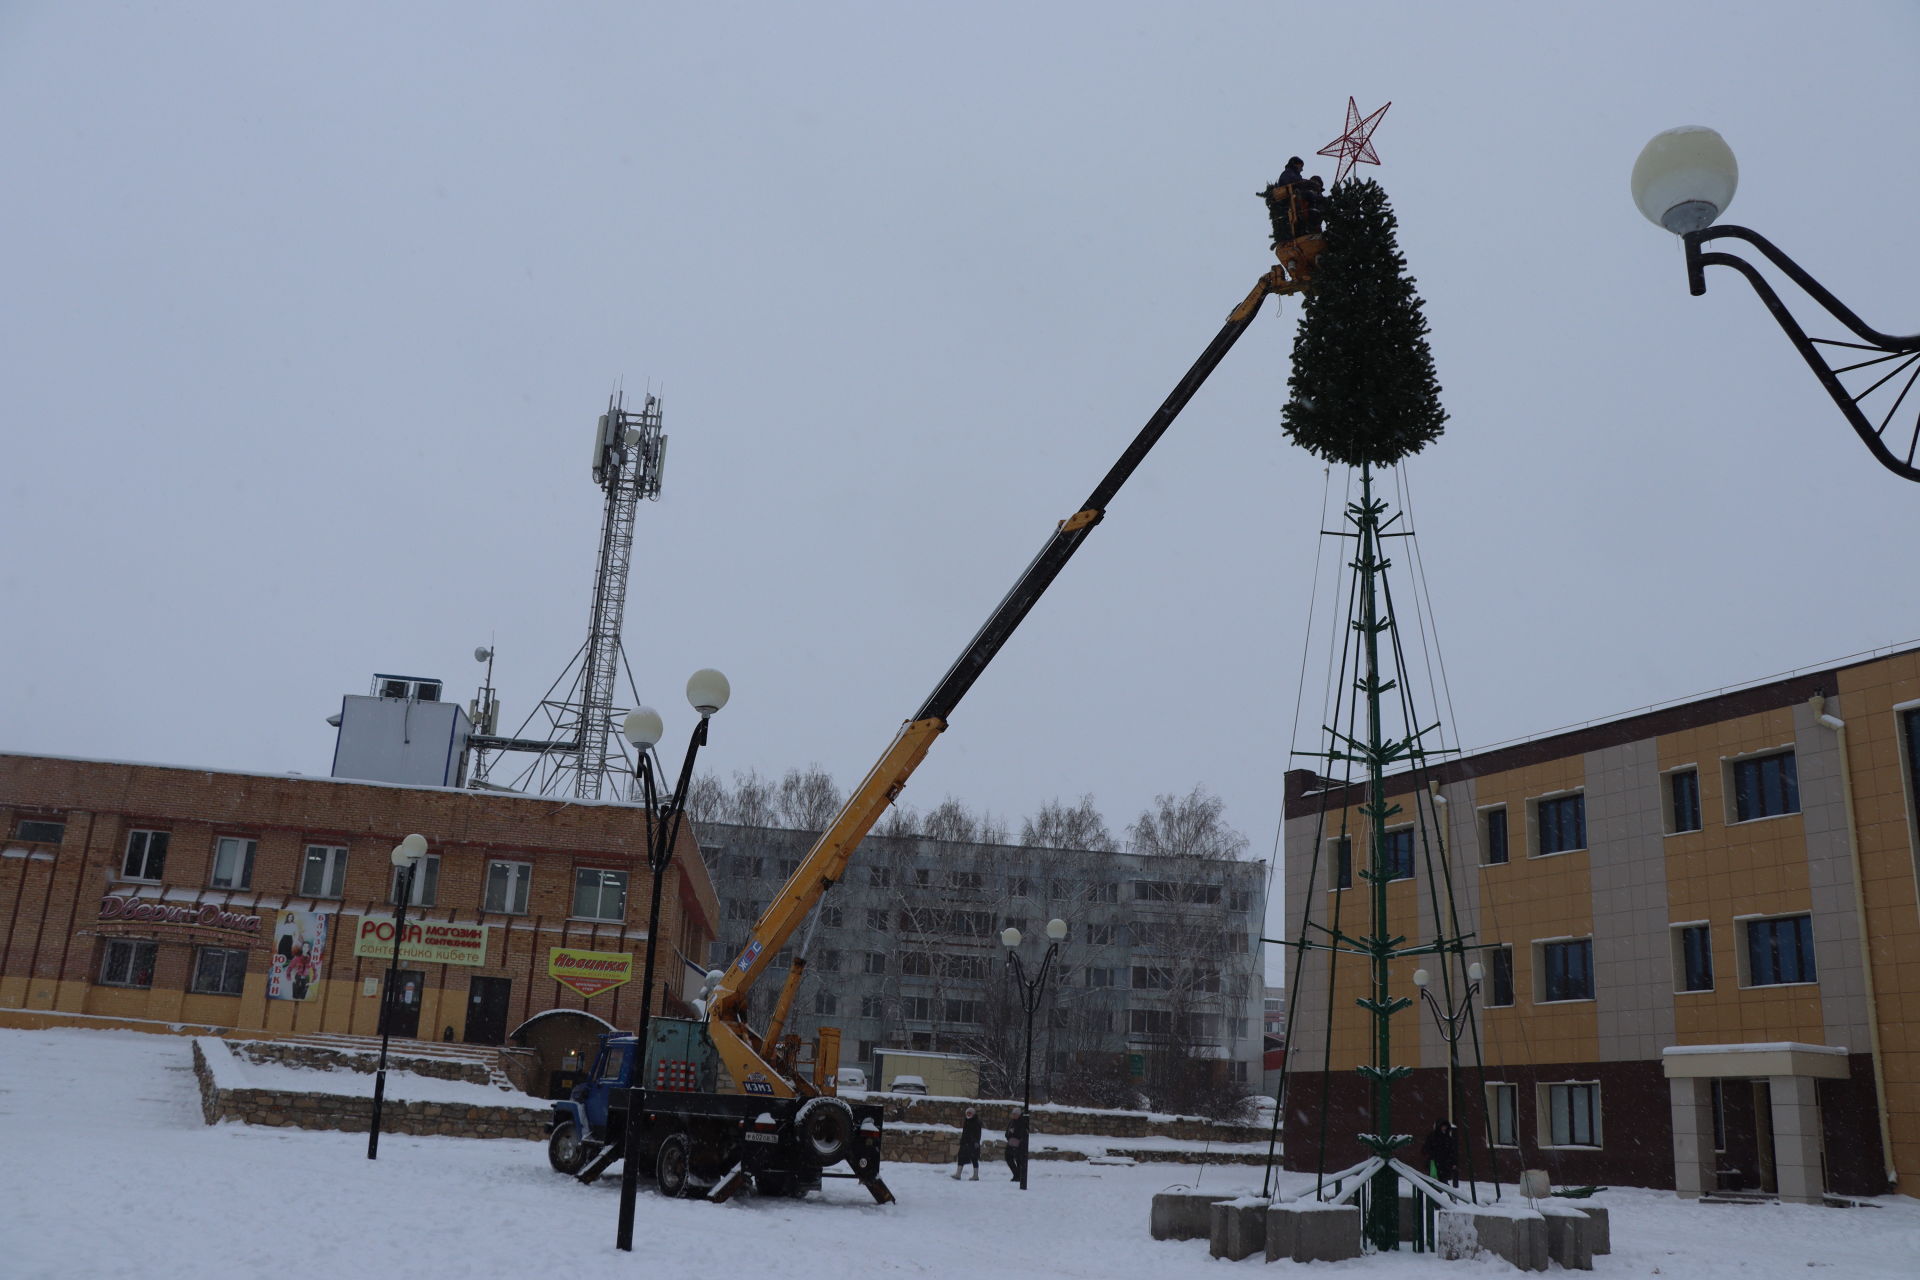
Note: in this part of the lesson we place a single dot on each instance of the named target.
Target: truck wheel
(672, 1171)
(825, 1126)
(565, 1151)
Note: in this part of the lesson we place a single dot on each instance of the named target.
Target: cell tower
(568, 736)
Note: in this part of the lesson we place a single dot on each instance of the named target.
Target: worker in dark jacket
(1017, 1146)
(1442, 1151)
(969, 1146)
(1279, 202)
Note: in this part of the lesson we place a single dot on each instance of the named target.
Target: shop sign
(152, 911)
(589, 972)
(426, 942)
(299, 952)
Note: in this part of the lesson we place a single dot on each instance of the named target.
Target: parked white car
(908, 1084)
(852, 1078)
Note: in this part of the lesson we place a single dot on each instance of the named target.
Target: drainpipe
(1818, 704)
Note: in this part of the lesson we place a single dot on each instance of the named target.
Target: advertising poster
(589, 972)
(429, 942)
(299, 952)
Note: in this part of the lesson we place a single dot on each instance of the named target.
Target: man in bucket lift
(1293, 203)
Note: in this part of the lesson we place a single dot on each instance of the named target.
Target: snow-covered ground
(106, 1169)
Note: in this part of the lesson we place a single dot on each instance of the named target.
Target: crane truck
(724, 1105)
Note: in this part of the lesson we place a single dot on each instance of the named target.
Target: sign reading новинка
(427, 942)
(589, 972)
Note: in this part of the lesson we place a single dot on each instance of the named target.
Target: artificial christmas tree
(1362, 390)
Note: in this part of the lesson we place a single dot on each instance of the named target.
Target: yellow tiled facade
(1763, 882)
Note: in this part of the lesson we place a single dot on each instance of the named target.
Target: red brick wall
(50, 934)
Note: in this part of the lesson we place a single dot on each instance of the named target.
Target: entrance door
(1763, 1130)
(403, 1010)
(487, 1009)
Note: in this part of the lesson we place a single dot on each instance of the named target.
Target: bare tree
(808, 799)
(756, 801)
(1191, 825)
(709, 800)
(1058, 826)
(952, 821)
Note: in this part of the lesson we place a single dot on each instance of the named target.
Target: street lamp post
(1030, 989)
(1452, 1019)
(406, 856)
(707, 691)
(1683, 180)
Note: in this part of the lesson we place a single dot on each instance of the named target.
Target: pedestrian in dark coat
(969, 1146)
(1017, 1146)
(1442, 1151)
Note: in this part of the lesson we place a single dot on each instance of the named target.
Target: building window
(41, 830)
(1693, 957)
(1500, 973)
(146, 855)
(1572, 1115)
(1683, 801)
(877, 919)
(323, 873)
(218, 971)
(1765, 787)
(1780, 951)
(1236, 1028)
(1019, 887)
(1098, 935)
(507, 886)
(917, 964)
(963, 1011)
(1237, 1072)
(866, 1048)
(1150, 1022)
(830, 917)
(1343, 862)
(128, 964)
(1100, 977)
(1493, 835)
(787, 867)
(426, 882)
(1396, 852)
(829, 961)
(872, 1007)
(599, 894)
(1503, 1109)
(917, 1008)
(1566, 970)
(743, 867)
(826, 1002)
(873, 962)
(233, 862)
(1562, 823)
(1109, 892)
(1719, 1096)
(880, 877)
(1148, 977)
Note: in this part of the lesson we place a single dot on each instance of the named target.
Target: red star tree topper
(1355, 146)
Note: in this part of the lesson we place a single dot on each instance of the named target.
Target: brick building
(256, 901)
(1701, 933)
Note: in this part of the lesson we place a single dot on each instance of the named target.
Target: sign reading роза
(427, 942)
(589, 972)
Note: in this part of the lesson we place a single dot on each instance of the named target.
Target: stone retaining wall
(907, 1109)
(354, 1115)
(315, 1058)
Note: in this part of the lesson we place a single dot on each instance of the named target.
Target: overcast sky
(307, 316)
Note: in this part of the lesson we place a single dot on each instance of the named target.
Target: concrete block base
(1239, 1228)
(1602, 1231)
(1184, 1215)
(1308, 1231)
(1520, 1238)
(1569, 1237)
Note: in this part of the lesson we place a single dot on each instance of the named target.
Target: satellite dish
(482, 654)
